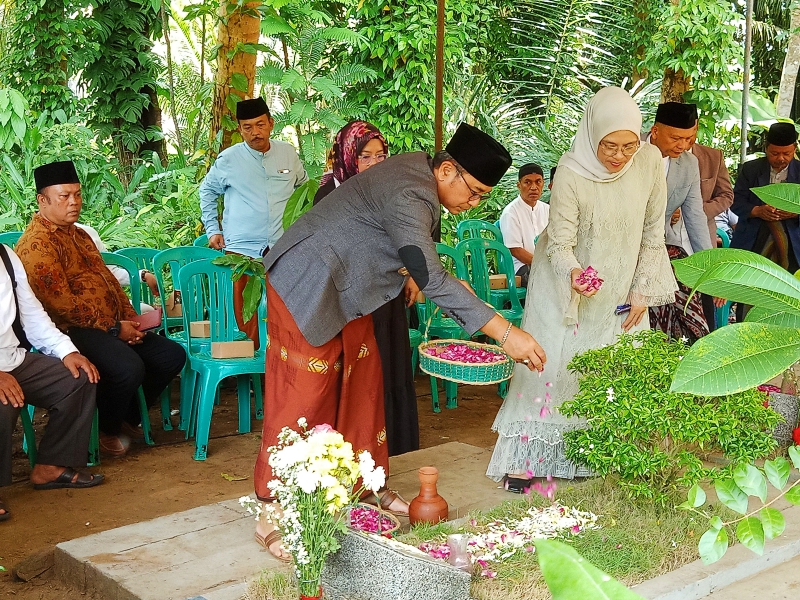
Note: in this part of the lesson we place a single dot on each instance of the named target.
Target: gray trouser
(48, 384)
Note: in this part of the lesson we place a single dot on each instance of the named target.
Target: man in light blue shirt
(256, 178)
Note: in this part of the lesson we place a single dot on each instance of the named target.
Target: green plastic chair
(476, 228)
(195, 278)
(201, 240)
(119, 260)
(143, 257)
(10, 238)
(433, 324)
(172, 260)
(28, 434)
(722, 314)
(475, 251)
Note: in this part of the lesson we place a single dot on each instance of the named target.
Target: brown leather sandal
(268, 540)
(383, 500)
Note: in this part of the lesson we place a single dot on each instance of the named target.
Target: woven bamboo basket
(383, 514)
(461, 372)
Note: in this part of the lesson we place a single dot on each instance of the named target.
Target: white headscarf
(611, 109)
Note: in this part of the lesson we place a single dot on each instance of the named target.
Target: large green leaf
(731, 495)
(688, 270)
(785, 196)
(569, 576)
(750, 532)
(758, 314)
(299, 202)
(773, 522)
(751, 481)
(777, 471)
(713, 544)
(736, 357)
(752, 282)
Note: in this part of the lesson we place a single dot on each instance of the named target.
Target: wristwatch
(142, 274)
(114, 330)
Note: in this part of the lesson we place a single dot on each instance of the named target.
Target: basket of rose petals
(465, 362)
(370, 519)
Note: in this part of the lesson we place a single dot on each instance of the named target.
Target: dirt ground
(151, 482)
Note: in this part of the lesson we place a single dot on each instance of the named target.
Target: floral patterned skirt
(339, 383)
(672, 319)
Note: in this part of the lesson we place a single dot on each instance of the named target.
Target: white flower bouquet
(316, 472)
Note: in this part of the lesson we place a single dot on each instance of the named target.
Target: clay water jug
(429, 506)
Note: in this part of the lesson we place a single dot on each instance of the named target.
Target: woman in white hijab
(606, 211)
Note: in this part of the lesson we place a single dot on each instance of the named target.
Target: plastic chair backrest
(207, 294)
(453, 262)
(173, 260)
(475, 253)
(10, 238)
(110, 258)
(474, 228)
(143, 257)
(201, 240)
(726, 241)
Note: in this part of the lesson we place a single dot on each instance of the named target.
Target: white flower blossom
(301, 422)
(610, 394)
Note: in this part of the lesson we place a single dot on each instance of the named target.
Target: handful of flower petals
(316, 472)
(589, 277)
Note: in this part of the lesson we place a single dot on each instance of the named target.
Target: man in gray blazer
(349, 255)
(673, 132)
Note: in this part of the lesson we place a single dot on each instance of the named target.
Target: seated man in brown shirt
(68, 275)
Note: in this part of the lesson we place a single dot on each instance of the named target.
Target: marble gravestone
(368, 567)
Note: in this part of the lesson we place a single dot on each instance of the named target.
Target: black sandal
(65, 480)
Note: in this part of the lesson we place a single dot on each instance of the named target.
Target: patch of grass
(272, 585)
(638, 540)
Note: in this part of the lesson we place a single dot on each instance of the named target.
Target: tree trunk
(790, 66)
(674, 86)
(675, 83)
(242, 26)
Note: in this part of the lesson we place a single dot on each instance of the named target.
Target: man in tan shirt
(715, 183)
(82, 297)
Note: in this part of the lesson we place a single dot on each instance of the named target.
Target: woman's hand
(634, 317)
(578, 287)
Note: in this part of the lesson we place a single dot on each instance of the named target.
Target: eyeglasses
(474, 195)
(612, 149)
(368, 160)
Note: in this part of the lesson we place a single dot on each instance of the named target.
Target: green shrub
(651, 438)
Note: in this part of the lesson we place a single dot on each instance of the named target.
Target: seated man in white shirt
(524, 218)
(57, 379)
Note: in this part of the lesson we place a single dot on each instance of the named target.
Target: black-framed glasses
(474, 195)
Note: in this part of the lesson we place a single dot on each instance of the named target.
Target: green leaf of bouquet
(758, 314)
(736, 357)
(251, 296)
(696, 496)
(773, 522)
(785, 196)
(793, 495)
(730, 494)
(750, 533)
(751, 481)
(794, 454)
(568, 575)
(777, 471)
(713, 545)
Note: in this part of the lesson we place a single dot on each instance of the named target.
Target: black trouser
(524, 272)
(710, 311)
(48, 384)
(123, 368)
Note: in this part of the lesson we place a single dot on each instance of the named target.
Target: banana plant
(743, 355)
